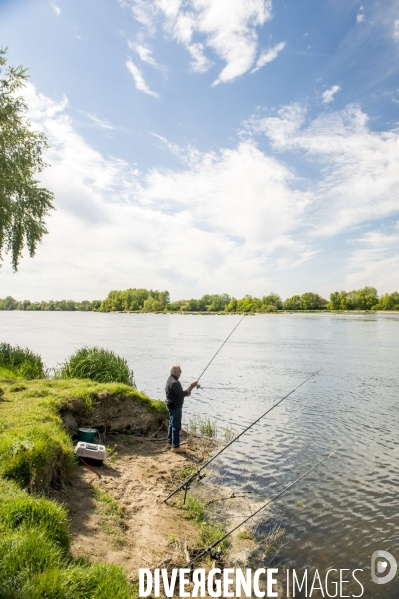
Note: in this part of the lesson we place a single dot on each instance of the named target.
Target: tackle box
(91, 453)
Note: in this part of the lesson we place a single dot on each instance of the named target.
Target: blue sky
(212, 145)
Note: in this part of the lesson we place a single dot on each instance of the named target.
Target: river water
(346, 509)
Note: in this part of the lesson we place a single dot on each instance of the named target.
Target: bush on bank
(97, 364)
(21, 361)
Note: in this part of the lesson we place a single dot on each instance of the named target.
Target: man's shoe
(176, 450)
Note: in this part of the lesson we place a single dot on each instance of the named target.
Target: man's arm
(178, 389)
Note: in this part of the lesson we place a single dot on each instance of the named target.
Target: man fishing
(174, 402)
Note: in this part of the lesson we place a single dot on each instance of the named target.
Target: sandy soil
(121, 518)
(145, 532)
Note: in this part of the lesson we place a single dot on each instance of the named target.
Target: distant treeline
(144, 300)
(9, 303)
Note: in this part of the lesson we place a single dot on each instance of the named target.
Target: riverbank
(124, 520)
(98, 530)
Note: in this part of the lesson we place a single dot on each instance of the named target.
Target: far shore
(277, 312)
(186, 312)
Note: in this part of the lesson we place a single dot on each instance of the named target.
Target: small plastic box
(91, 453)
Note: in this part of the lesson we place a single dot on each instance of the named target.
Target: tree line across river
(144, 300)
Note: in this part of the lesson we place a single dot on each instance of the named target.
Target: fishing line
(188, 480)
(261, 508)
(225, 341)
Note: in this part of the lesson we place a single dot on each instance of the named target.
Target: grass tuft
(21, 362)
(110, 505)
(97, 364)
(245, 534)
(24, 512)
(202, 426)
(229, 433)
(208, 531)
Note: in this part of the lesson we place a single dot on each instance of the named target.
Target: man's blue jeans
(174, 426)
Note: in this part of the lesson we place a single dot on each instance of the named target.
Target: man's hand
(192, 386)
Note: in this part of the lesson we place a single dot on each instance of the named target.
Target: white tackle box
(91, 453)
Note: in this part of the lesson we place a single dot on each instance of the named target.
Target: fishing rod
(261, 508)
(188, 480)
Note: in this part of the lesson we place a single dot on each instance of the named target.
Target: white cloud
(268, 55)
(200, 63)
(226, 27)
(395, 34)
(144, 52)
(102, 123)
(286, 124)
(328, 95)
(56, 9)
(359, 168)
(360, 17)
(222, 180)
(377, 262)
(139, 81)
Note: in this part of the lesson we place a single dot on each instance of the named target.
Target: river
(345, 510)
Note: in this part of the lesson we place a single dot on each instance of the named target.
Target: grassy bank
(36, 452)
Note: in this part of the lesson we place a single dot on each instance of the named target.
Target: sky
(211, 146)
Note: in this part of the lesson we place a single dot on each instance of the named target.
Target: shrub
(22, 361)
(97, 364)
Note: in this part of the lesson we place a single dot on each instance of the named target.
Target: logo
(382, 561)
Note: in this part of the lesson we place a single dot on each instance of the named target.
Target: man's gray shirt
(174, 393)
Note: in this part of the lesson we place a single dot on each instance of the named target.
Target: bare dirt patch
(121, 518)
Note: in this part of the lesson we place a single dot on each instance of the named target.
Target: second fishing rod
(185, 484)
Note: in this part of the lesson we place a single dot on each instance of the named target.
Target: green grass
(7, 374)
(34, 447)
(180, 473)
(110, 506)
(34, 559)
(97, 364)
(112, 516)
(21, 362)
(21, 512)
